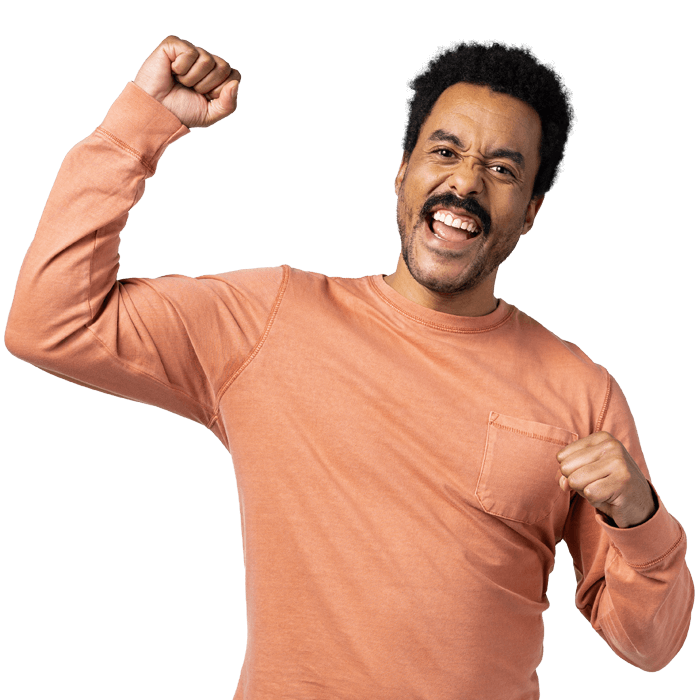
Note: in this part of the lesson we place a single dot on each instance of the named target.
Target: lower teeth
(467, 234)
(437, 235)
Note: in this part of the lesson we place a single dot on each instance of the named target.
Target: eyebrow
(442, 135)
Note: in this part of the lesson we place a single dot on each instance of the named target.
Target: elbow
(16, 342)
(657, 652)
(26, 341)
(654, 664)
(23, 347)
(21, 336)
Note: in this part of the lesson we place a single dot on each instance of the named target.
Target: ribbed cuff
(649, 543)
(140, 124)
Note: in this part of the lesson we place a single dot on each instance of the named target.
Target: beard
(484, 258)
(432, 278)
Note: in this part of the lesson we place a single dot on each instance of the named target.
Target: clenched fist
(600, 469)
(196, 86)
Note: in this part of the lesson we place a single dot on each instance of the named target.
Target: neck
(478, 302)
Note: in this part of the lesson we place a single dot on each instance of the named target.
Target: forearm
(68, 278)
(637, 590)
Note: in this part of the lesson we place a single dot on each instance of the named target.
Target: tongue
(448, 232)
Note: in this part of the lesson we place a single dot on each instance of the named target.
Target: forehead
(482, 118)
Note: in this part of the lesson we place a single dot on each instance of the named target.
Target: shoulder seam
(606, 403)
(258, 346)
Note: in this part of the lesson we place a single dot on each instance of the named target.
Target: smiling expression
(465, 192)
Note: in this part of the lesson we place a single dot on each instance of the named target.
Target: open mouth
(452, 227)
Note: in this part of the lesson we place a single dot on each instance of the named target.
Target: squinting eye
(501, 169)
(445, 152)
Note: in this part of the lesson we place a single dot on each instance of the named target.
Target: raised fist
(196, 86)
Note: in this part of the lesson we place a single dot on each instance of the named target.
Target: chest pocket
(518, 478)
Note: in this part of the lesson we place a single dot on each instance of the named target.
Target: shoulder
(257, 280)
(560, 363)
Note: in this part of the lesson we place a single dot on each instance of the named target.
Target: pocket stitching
(493, 417)
(535, 436)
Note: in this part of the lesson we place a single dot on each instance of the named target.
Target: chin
(443, 284)
(438, 279)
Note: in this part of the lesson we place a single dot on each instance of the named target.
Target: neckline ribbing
(438, 319)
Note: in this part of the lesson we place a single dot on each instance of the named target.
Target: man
(408, 449)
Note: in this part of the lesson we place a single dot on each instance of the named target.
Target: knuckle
(182, 44)
(590, 493)
(224, 70)
(612, 448)
(221, 71)
(618, 455)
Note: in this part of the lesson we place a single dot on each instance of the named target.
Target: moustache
(468, 204)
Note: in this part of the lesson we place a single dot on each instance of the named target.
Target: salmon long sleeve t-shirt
(395, 465)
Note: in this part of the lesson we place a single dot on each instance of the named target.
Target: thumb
(225, 104)
(231, 95)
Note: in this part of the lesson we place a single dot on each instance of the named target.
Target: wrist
(640, 518)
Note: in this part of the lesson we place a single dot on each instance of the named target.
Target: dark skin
(484, 145)
(474, 144)
(198, 87)
(600, 469)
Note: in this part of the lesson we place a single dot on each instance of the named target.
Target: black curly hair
(508, 69)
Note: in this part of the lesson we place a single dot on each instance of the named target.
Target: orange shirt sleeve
(171, 341)
(633, 584)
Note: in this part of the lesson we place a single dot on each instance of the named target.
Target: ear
(531, 212)
(401, 173)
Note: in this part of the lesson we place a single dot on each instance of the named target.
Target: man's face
(476, 160)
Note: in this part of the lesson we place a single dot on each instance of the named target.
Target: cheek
(405, 204)
(508, 212)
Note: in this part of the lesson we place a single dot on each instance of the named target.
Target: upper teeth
(449, 220)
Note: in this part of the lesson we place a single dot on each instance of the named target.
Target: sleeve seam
(125, 147)
(143, 373)
(258, 346)
(646, 565)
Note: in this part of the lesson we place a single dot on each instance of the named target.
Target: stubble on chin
(432, 278)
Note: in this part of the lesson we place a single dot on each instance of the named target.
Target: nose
(467, 178)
